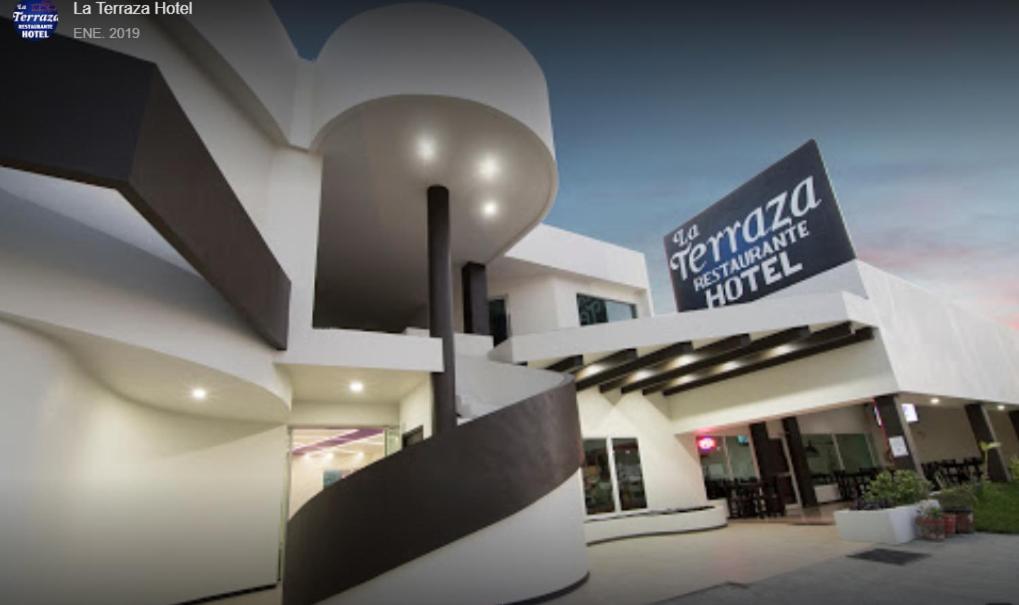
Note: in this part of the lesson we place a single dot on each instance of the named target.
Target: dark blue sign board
(777, 229)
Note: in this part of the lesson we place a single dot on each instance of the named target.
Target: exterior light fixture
(1001, 408)
(488, 168)
(935, 401)
(199, 394)
(426, 149)
(490, 208)
(356, 386)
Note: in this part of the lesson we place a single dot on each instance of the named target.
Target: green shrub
(997, 508)
(959, 499)
(900, 488)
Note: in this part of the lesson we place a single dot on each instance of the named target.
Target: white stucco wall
(429, 49)
(343, 413)
(542, 274)
(939, 348)
(416, 410)
(61, 272)
(108, 501)
(671, 467)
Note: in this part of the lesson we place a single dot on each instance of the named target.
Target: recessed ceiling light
(356, 386)
(935, 400)
(199, 394)
(426, 148)
(490, 208)
(488, 167)
(1001, 408)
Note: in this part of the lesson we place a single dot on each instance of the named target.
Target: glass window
(821, 456)
(597, 477)
(741, 459)
(498, 320)
(856, 452)
(594, 310)
(628, 474)
(713, 463)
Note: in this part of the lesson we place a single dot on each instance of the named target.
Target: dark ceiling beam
(567, 364)
(606, 364)
(617, 374)
(754, 346)
(701, 357)
(821, 342)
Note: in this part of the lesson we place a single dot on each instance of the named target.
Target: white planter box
(889, 526)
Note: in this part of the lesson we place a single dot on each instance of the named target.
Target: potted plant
(985, 449)
(957, 504)
(887, 511)
(931, 523)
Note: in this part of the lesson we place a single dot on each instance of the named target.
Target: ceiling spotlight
(1001, 408)
(488, 167)
(490, 208)
(935, 400)
(426, 149)
(356, 386)
(199, 394)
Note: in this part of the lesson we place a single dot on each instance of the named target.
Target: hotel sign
(777, 229)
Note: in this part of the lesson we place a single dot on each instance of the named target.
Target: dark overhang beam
(820, 342)
(567, 364)
(731, 353)
(596, 368)
(617, 374)
(697, 359)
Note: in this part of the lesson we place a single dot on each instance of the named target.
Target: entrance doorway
(322, 456)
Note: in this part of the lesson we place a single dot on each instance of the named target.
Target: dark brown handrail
(431, 494)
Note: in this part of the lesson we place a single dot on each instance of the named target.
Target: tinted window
(597, 478)
(629, 474)
(594, 310)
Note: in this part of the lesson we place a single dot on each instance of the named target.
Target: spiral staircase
(490, 511)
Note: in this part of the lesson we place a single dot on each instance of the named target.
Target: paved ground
(764, 563)
(648, 570)
(964, 570)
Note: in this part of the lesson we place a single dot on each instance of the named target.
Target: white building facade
(274, 322)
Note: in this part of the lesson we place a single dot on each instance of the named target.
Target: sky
(659, 109)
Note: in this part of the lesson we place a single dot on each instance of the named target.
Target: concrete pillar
(897, 434)
(798, 459)
(984, 432)
(767, 462)
(440, 307)
(475, 299)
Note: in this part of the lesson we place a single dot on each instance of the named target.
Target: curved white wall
(106, 501)
(60, 272)
(543, 546)
(430, 49)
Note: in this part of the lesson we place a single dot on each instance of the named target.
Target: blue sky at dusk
(660, 109)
